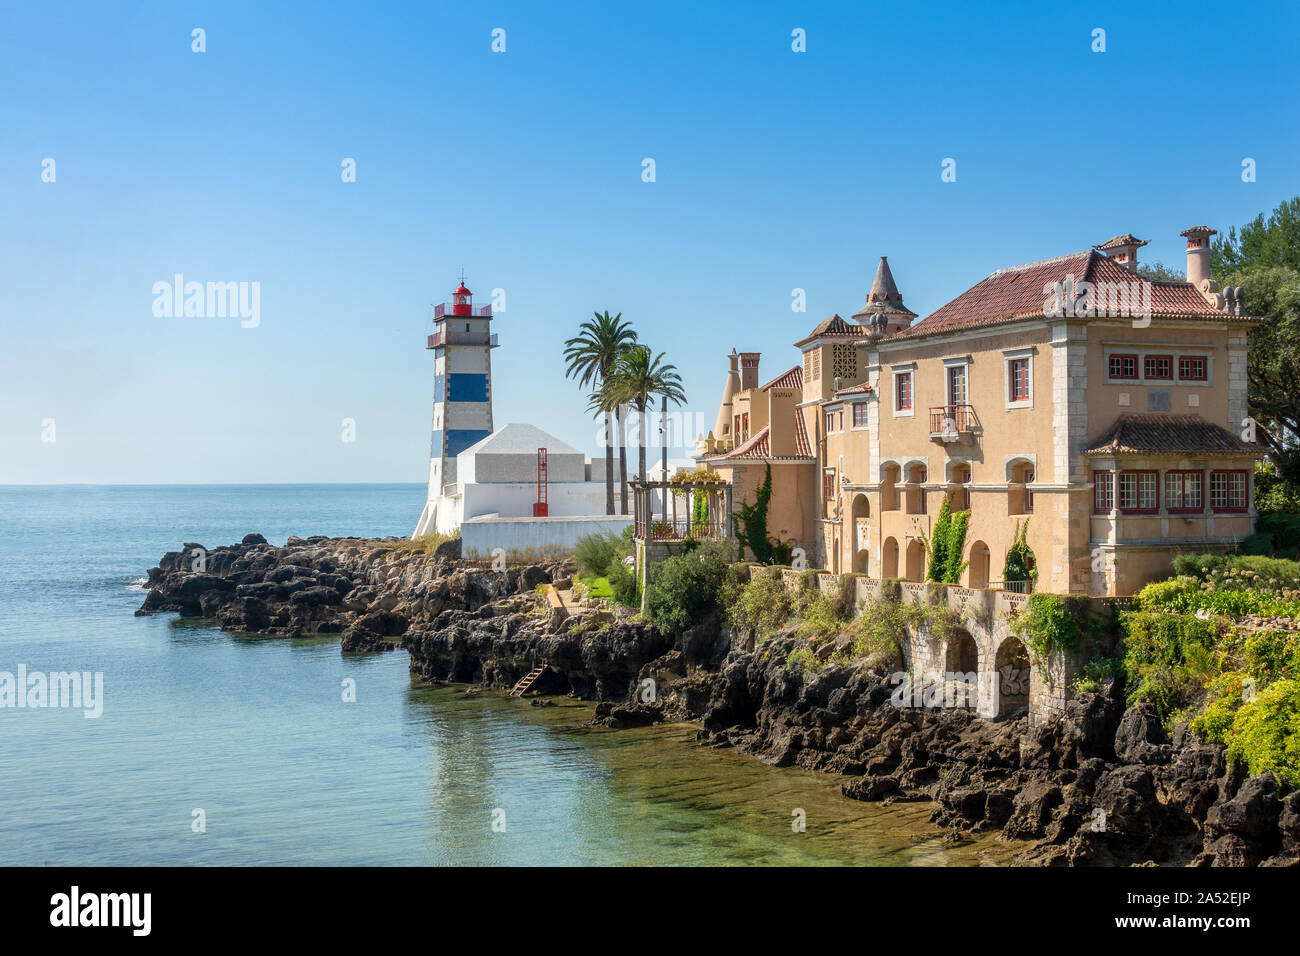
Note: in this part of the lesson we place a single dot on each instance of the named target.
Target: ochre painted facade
(1103, 413)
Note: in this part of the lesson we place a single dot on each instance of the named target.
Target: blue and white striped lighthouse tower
(462, 344)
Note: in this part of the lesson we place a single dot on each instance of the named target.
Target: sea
(211, 748)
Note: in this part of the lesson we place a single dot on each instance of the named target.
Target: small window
(744, 423)
(1123, 366)
(1139, 492)
(903, 391)
(1191, 368)
(828, 484)
(1228, 490)
(1158, 367)
(1018, 370)
(859, 414)
(1103, 492)
(1183, 493)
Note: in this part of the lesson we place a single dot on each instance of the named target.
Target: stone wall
(986, 616)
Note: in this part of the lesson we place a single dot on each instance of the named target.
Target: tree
(637, 377)
(591, 357)
(1264, 259)
(1159, 272)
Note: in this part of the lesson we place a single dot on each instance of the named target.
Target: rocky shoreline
(1104, 785)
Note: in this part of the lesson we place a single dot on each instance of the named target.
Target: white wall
(481, 536)
(515, 500)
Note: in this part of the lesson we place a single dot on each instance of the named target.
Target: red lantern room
(460, 301)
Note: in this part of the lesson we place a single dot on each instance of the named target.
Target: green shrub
(882, 630)
(763, 605)
(1050, 623)
(1167, 658)
(818, 620)
(1097, 672)
(593, 552)
(1265, 732)
(684, 587)
(622, 582)
(803, 658)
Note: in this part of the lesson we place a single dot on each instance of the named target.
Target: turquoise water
(256, 734)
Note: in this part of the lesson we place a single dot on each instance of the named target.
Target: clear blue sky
(775, 170)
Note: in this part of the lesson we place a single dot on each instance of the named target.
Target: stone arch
(1013, 672)
(891, 473)
(981, 563)
(952, 466)
(962, 655)
(889, 558)
(915, 560)
(859, 514)
(1017, 463)
(861, 562)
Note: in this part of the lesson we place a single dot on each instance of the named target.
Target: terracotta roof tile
(802, 446)
(756, 446)
(1169, 435)
(791, 379)
(833, 326)
(1017, 293)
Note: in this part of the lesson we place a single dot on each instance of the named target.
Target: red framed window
(1103, 491)
(828, 484)
(744, 423)
(859, 414)
(1158, 367)
(1123, 366)
(1019, 371)
(1192, 368)
(1184, 493)
(1139, 492)
(1229, 490)
(903, 391)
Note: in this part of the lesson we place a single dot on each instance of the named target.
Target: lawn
(599, 587)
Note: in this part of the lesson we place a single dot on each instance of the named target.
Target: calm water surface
(255, 733)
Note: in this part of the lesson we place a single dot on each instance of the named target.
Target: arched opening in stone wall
(961, 661)
(977, 573)
(1013, 667)
(915, 560)
(861, 562)
(962, 655)
(889, 478)
(889, 559)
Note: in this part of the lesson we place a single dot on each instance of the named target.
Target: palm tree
(590, 357)
(636, 377)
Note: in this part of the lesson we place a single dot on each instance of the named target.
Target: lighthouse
(462, 344)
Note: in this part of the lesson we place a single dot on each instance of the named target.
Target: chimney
(1198, 253)
(749, 370)
(730, 389)
(1123, 249)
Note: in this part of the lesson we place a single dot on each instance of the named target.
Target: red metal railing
(951, 419)
(677, 529)
(448, 309)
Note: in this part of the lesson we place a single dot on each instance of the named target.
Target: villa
(1105, 410)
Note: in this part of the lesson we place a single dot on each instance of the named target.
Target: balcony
(952, 423)
(447, 310)
(438, 339)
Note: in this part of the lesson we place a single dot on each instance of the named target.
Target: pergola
(675, 523)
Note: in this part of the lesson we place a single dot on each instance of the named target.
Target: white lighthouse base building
(492, 500)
